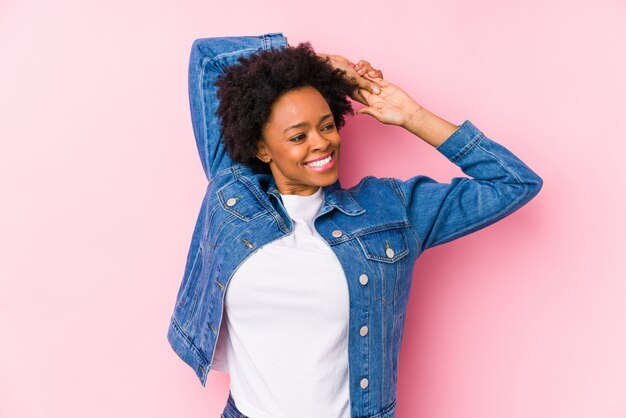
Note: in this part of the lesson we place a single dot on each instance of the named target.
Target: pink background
(101, 185)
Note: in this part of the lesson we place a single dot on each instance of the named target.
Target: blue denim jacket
(377, 229)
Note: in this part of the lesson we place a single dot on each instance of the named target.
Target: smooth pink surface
(101, 185)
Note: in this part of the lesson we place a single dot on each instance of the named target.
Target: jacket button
(364, 383)
(337, 233)
(363, 279)
(363, 331)
(390, 253)
(231, 201)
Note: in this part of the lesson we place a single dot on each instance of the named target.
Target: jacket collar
(334, 197)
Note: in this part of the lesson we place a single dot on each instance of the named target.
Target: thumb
(368, 111)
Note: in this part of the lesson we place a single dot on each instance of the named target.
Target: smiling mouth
(322, 164)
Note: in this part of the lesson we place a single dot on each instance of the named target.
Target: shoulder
(371, 186)
(379, 195)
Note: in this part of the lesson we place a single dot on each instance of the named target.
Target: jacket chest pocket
(232, 207)
(386, 250)
(235, 223)
(387, 246)
(237, 199)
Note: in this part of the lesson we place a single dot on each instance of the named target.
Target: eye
(329, 127)
(297, 138)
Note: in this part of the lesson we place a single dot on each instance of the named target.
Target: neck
(298, 190)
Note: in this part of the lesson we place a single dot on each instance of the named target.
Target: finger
(365, 94)
(368, 111)
(375, 74)
(369, 69)
(378, 80)
(360, 94)
(370, 86)
(363, 66)
(356, 96)
(374, 88)
(360, 64)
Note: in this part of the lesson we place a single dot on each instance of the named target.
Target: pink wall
(101, 185)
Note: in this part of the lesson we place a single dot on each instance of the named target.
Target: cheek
(292, 156)
(337, 142)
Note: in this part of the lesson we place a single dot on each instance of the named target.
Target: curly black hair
(248, 90)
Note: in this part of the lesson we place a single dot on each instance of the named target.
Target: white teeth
(320, 163)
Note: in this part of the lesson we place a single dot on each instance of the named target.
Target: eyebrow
(301, 124)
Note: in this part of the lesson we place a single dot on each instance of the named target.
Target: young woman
(297, 287)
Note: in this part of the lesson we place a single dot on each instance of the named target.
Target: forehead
(304, 104)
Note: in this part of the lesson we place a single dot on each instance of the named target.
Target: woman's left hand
(392, 106)
(357, 72)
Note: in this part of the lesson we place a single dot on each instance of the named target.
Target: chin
(325, 179)
(327, 182)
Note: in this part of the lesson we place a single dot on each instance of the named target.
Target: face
(301, 142)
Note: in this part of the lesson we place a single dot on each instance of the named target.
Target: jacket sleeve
(208, 59)
(501, 184)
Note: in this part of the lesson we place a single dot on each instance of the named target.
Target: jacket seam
(468, 147)
(238, 214)
(482, 221)
(386, 410)
(369, 230)
(227, 54)
(223, 172)
(180, 332)
(263, 202)
(495, 157)
(357, 187)
(398, 189)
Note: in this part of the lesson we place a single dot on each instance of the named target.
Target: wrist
(429, 127)
(415, 118)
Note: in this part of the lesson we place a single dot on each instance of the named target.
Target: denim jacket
(377, 229)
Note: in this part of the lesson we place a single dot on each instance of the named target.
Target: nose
(318, 142)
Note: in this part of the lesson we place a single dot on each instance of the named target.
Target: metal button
(231, 201)
(389, 253)
(364, 383)
(363, 331)
(337, 233)
(363, 279)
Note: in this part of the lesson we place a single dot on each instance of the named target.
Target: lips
(321, 164)
(320, 158)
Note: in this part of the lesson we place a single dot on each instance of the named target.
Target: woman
(307, 283)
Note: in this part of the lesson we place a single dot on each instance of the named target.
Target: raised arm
(209, 57)
(442, 212)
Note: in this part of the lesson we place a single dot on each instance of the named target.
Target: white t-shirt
(284, 337)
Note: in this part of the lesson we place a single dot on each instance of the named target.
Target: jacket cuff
(461, 141)
(275, 40)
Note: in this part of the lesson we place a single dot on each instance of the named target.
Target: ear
(262, 151)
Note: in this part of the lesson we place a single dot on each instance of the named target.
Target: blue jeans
(230, 410)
